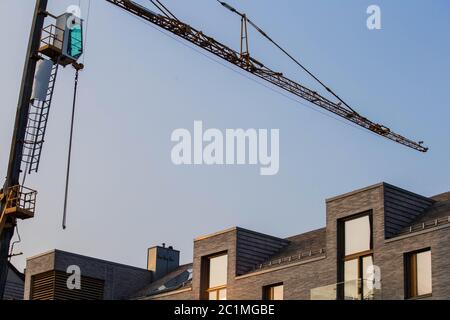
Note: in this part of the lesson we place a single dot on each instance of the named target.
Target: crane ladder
(37, 125)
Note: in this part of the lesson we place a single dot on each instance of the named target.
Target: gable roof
(177, 279)
(19, 274)
(436, 215)
(402, 208)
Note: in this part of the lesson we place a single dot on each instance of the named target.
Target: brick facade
(320, 269)
(402, 222)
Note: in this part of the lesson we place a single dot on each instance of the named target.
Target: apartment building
(379, 242)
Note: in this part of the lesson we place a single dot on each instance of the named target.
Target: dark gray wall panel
(401, 208)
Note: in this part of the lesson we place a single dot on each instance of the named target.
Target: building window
(273, 292)
(358, 235)
(356, 256)
(215, 277)
(418, 282)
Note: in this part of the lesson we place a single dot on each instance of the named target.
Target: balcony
(360, 289)
(20, 202)
(52, 41)
(61, 48)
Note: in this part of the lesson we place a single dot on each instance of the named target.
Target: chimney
(162, 260)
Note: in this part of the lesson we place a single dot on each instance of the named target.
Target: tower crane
(61, 44)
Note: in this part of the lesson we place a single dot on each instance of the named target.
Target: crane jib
(256, 68)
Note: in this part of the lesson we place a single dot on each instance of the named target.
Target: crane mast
(10, 193)
(56, 45)
(253, 66)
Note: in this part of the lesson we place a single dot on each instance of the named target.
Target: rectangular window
(418, 282)
(273, 292)
(358, 236)
(351, 276)
(356, 254)
(215, 277)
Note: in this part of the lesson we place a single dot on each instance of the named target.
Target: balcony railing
(306, 255)
(425, 225)
(360, 289)
(52, 36)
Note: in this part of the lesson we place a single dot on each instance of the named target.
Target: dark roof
(302, 243)
(177, 279)
(301, 247)
(307, 241)
(21, 275)
(254, 248)
(401, 209)
(440, 209)
(436, 214)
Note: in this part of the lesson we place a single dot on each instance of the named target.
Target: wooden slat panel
(42, 286)
(52, 285)
(91, 289)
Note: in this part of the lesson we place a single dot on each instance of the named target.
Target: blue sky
(139, 85)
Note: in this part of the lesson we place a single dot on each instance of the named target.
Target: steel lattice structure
(256, 68)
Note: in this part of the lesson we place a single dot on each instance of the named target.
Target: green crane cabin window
(75, 47)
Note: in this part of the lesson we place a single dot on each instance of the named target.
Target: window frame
(342, 258)
(268, 291)
(217, 291)
(205, 275)
(410, 274)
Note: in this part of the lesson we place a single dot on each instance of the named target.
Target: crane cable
(64, 222)
(170, 13)
(69, 156)
(226, 5)
(87, 30)
(165, 11)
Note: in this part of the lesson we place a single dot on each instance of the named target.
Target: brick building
(380, 242)
(47, 274)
